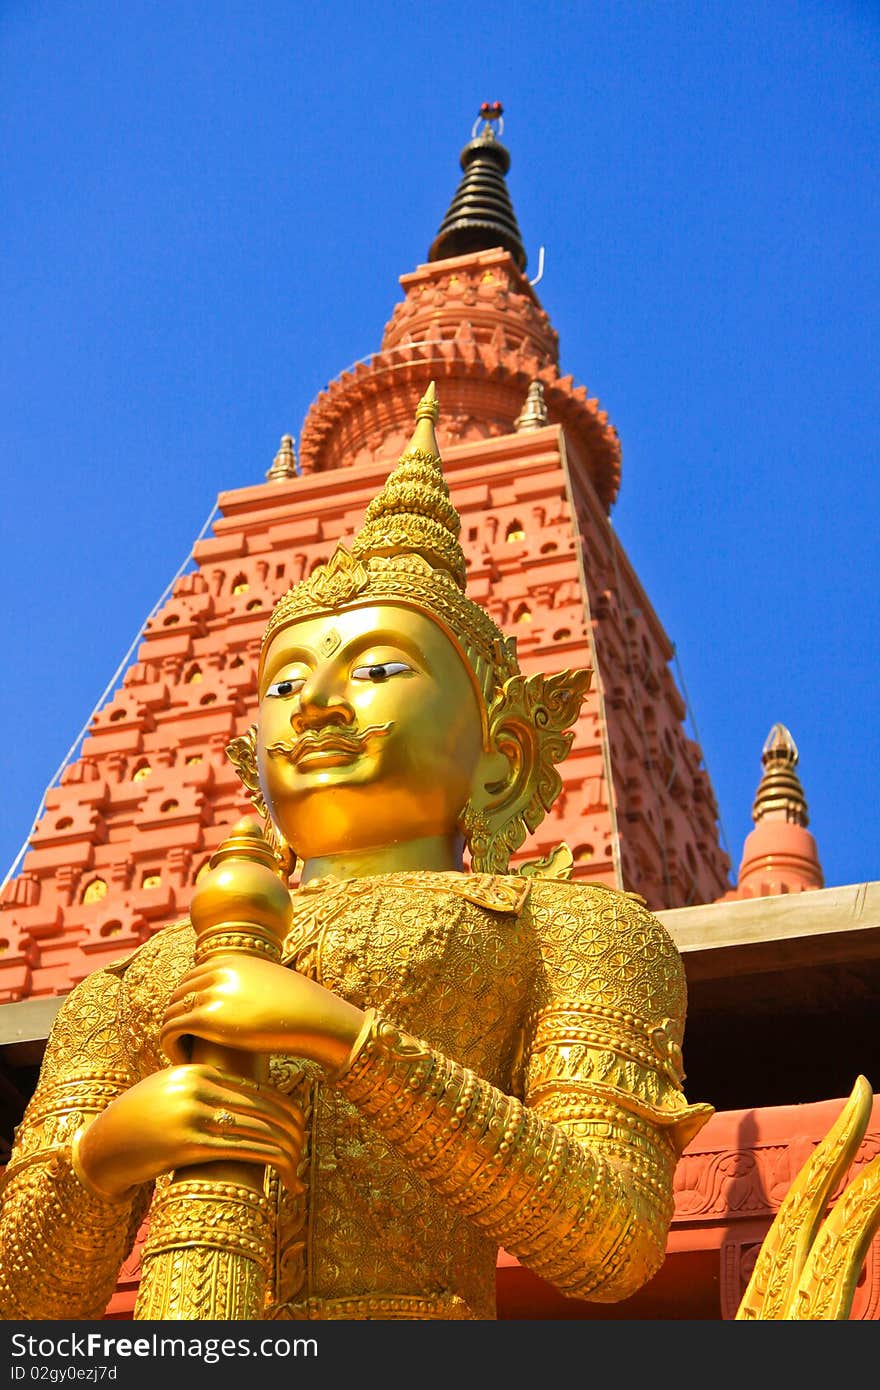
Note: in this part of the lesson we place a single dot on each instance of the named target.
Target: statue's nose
(321, 702)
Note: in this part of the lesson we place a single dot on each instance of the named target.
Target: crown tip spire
(427, 416)
(429, 406)
(414, 513)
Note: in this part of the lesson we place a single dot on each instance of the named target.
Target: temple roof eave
(412, 364)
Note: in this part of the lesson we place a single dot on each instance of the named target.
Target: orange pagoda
(783, 972)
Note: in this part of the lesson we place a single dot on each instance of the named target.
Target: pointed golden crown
(408, 551)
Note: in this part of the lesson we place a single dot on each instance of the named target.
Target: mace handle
(210, 1247)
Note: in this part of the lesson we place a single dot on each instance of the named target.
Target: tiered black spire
(481, 215)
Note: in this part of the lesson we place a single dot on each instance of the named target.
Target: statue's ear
(493, 820)
(517, 781)
(242, 753)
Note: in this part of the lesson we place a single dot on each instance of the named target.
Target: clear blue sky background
(205, 211)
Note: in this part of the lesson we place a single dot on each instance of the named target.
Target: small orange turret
(780, 854)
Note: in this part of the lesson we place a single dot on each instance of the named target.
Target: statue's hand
(253, 1004)
(181, 1116)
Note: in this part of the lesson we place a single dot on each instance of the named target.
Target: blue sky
(205, 211)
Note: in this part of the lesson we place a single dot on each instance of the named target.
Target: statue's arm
(61, 1245)
(575, 1177)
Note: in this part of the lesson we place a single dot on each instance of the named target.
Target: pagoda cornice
(248, 516)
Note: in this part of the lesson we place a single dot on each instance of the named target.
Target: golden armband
(570, 1211)
(59, 1236)
(62, 1241)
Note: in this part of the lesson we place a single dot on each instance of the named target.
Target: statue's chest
(418, 955)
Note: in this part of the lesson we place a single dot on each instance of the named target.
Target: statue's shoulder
(586, 892)
(151, 971)
(556, 869)
(93, 1020)
(544, 894)
(602, 943)
(612, 913)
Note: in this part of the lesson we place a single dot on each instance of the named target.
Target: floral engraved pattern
(510, 1090)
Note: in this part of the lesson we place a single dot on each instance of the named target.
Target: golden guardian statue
(366, 1061)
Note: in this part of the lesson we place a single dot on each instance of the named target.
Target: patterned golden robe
(518, 1084)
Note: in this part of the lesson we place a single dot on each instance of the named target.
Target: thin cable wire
(604, 736)
(637, 701)
(108, 690)
(692, 719)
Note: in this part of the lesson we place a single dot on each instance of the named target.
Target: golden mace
(210, 1246)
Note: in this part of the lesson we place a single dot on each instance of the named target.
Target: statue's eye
(291, 686)
(381, 671)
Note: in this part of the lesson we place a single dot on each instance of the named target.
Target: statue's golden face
(369, 730)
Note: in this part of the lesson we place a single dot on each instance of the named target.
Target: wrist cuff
(80, 1173)
(366, 1029)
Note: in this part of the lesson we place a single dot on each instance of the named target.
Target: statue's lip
(327, 753)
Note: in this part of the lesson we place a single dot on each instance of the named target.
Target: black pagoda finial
(481, 216)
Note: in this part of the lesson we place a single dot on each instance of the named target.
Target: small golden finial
(427, 415)
(779, 747)
(491, 115)
(780, 795)
(284, 463)
(533, 415)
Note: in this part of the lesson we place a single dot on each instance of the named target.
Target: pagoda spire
(480, 216)
(780, 854)
(780, 795)
(284, 463)
(533, 415)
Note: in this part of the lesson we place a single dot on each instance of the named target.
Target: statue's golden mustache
(334, 739)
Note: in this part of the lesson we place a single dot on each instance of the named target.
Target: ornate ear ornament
(528, 720)
(242, 753)
(557, 864)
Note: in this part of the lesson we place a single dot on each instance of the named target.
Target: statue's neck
(439, 853)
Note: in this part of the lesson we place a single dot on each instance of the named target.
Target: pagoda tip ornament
(780, 795)
(492, 118)
(284, 464)
(533, 415)
(481, 216)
